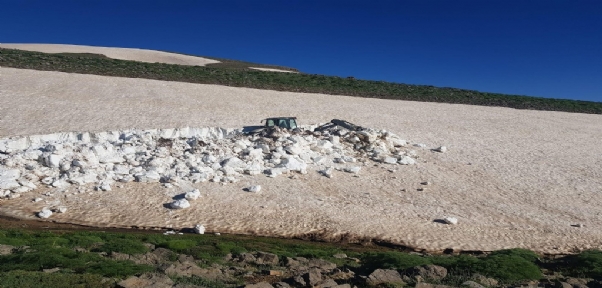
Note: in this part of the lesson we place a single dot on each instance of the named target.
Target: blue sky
(543, 48)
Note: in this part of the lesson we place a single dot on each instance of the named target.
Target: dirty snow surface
(133, 54)
(272, 70)
(508, 178)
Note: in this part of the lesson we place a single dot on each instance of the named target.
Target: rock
(62, 209)
(297, 263)
(180, 204)
(324, 144)
(254, 169)
(577, 282)
(354, 169)
(266, 258)
(472, 284)
(450, 220)
(427, 285)
(45, 213)
(429, 272)
(321, 264)
(344, 274)
(293, 164)
(8, 178)
(254, 189)
(441, 149)
(6, 249)
(367, 136)
(184, 268)
(47, 180)
(294, 149)
(396, 142)
(51, 270)
(53, 160)
(340, 256)
(327, 283)
(486, 281)
(390, 160)
(38, 199)
(384, 276)
(328, 172)
(259, 285)
(282, 285)
(233, 162)
(105, 187)
(246, 258)
(199, 229)
(274, 172)
(313, 277)
(192, 195)
(407, 160)
(150, 280)
(149, 177)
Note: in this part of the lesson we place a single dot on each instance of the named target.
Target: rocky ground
(263, 270)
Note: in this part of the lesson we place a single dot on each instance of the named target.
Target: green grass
(295, 82)
(47, 257)
(585, 264)
(508, 266)
(121, 245)
(36, 251)
(29, 279)
(236, 64)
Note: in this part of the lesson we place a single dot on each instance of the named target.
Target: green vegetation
(236, 64)
(84, 258)
(28, 279)
(295, 82)
(505, 265)
(586, 264)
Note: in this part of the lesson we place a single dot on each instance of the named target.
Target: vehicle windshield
(283, 123)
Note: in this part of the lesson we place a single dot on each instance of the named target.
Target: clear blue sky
(541, 48)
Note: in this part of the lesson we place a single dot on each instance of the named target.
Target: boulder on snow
(233, 162)
(199, 229)
(179, 204)
(8, 178)
(407, 160)
(293, 164)
(45, 213)
(192, 195)
(254, 188)
(353, 169)
(327, 172)
(441, 149)
(450, 220)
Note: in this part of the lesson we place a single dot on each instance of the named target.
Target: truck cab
(282, 122)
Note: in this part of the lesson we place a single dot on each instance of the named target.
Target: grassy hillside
(99, 259)
(295, 82)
